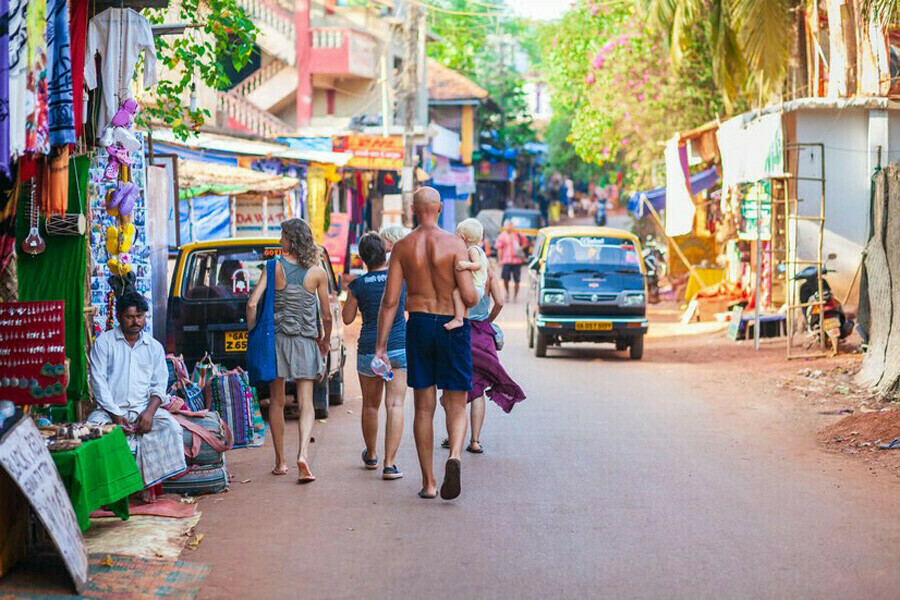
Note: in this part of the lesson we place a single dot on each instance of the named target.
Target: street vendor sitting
(129, 377)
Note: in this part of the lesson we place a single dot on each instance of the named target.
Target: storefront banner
(679, 203)
(751, 151)
(462, 177)
(249, 216)
(336, 241)
(444, 142)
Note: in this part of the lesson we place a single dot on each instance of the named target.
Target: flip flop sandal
(480, 449)
(451, 486)
(306, 479)
(391, 473)
(371, 463)
(425, 496)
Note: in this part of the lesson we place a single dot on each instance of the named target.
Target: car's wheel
(621, 344)
(636, 351)
(320, 399)
(540, 343)
(336, 388)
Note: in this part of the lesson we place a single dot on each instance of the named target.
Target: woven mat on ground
(140, 536)
(161, 508)
(111, 578)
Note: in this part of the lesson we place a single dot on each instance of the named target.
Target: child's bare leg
(459, 312)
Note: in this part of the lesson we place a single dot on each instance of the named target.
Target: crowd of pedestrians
(428, 301)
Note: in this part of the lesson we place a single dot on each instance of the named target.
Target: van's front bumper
(591, 328)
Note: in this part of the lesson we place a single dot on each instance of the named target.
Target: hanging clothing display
(119, 35)
(78, 13)
(37, 133)
(18, 63)
(60, 112)
(4, 88)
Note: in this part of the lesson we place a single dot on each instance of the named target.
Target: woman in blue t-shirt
(364, 295)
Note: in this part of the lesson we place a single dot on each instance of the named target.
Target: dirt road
(665, 478)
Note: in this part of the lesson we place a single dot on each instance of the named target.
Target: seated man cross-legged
(129, 377)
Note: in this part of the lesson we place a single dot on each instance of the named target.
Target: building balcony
(343, 52)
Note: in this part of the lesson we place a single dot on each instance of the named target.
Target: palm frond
(764, 33)
(883, 11)
(729, 67)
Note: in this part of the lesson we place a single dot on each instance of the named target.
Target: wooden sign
(734, 325)
(24, 456)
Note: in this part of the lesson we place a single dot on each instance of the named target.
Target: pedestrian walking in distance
(301, 338)
(364, 296)
(510, 246)
(426, 260)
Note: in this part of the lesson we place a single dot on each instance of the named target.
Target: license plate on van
(593, 326)
(235, 341)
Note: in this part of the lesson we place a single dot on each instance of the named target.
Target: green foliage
(561, 154)
(471, 45)
(222, 28)
(610, 72)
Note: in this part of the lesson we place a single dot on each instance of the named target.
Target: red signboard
(370, 146)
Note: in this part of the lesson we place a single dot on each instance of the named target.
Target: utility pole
(410, 105)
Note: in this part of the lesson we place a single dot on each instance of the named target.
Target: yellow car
(211, 283)
(587, 284)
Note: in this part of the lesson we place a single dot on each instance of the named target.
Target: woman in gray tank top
(302, 332)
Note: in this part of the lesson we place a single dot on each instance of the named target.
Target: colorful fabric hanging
(61, 115)
(18, 75)
(78, 23)
(37, 133)
(4, 88)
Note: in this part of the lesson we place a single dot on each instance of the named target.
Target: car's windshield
(588, 254)
(524, 221)
(228, 272)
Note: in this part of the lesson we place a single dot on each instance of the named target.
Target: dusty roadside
(814, 399)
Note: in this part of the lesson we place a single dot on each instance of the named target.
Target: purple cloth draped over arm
(487, 372)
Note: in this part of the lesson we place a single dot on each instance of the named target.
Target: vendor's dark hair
(129, 300)
(371, 250)
(301, 244)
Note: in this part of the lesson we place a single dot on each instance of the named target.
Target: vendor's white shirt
(124, 378)
(119, 35)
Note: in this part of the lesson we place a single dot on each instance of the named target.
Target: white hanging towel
(119, 35)
(679, 204)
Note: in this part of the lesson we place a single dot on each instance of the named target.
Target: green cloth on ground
(58, 273)
(99, 473)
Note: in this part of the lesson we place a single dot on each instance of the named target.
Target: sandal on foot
(473, 450)
(450, 489)
(391, 473)
(309, 477)
(425, 496)
(277, 471)
(371, 463)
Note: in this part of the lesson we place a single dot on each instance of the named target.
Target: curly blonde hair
(301, 244)
(393, 233)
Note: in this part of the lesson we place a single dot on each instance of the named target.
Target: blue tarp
(699, 182)
(211, 219)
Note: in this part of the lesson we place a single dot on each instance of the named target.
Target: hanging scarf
(37, 134)
(4, 87)
(60, 108)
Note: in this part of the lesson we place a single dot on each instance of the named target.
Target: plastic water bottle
(382, 369)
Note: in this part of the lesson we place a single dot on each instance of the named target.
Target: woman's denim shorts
(364, 362)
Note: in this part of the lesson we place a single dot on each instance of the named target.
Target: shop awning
(197, 178)
(699, 182)
(224, 145)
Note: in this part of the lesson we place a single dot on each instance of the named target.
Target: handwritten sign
(24, 456)
(734, 325)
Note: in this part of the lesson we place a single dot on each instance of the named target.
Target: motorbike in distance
(655, 265)
(827, 314)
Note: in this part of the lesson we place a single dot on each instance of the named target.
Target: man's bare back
(428, 258)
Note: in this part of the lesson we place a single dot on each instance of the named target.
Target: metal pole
(758, 266)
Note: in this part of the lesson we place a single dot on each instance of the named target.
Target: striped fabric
(232, 398)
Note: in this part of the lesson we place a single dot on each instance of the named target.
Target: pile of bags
(218, 410)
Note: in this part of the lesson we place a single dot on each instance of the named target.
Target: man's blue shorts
(437, 357)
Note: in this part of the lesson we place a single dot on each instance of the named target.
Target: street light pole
(410, 105)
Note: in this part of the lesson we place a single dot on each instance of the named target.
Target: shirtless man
(437, 358)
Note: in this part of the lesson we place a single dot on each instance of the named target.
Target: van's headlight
(553, 297)
(633, 299)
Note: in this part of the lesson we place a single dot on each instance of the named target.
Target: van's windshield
(228, 272)
(592, 254)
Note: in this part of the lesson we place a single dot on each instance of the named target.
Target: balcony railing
(240, 112)
(342, 51)
(258, 78)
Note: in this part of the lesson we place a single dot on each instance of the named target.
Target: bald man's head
(427, 195)
(427, 205)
